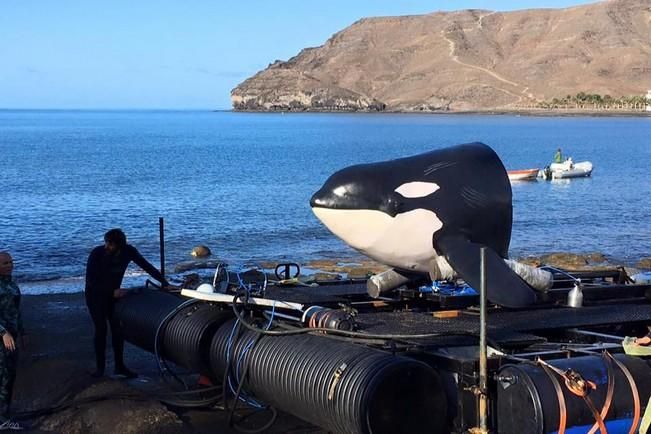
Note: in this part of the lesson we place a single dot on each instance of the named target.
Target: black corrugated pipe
(529, 396)
(187, 336)
(140, 313)
(184, 337)
(342, 387)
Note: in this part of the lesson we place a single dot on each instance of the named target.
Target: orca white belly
(403, 241)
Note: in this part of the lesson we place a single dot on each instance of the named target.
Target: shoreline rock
(644, 263)
(362, 267)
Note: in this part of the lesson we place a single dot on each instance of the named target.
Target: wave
(73, 284)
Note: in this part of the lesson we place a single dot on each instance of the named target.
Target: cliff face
(465, 60)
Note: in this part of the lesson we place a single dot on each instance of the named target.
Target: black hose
(163, 367)
(311, 330)
(274, 413)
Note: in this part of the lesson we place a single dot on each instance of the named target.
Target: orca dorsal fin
(503, 286)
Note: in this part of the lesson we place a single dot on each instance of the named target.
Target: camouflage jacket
(10, 318)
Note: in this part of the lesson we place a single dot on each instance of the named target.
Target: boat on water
(523, 175)
(567, 169)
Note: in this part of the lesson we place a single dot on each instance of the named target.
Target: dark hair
(116, 236)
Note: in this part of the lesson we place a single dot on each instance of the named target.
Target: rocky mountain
(463, 61)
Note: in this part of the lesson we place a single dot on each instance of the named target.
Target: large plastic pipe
(528, 401)
(340, 386)
(140, 313)
(186, 337)
(184, 333)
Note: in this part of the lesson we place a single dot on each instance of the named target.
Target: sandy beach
(55, 366)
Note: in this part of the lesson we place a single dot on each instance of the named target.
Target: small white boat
(567, 169)
(523, 175)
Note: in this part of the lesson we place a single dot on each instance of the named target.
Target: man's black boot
(124, 372)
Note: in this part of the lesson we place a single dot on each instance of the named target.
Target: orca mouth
(349, 198)
(338, 198)
(352, 188)
(339, 194)
(319, 200)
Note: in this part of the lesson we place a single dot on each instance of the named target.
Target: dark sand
(55, 366)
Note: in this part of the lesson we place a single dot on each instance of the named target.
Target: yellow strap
(646, 420)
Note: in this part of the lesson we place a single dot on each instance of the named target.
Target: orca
(430, 214)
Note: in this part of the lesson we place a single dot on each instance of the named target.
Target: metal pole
(483, 352)
(161, 237)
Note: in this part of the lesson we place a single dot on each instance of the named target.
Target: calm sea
(241, 182)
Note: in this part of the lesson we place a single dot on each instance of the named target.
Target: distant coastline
(512, 112)
(527, 112)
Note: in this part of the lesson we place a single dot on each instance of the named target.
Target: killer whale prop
(430, 214)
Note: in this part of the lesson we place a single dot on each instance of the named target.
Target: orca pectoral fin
(503, 286)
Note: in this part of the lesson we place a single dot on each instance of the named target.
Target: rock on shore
(644, 263)
(125, 416)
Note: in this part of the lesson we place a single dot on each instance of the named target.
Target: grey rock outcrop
(463, 61)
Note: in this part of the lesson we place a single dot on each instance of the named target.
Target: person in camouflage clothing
(11, 328)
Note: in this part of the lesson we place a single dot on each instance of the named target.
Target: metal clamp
(335, 380)
(284, 271)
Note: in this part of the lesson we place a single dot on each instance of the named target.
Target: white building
(648, 101)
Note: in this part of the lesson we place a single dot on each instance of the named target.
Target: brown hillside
(464, 60)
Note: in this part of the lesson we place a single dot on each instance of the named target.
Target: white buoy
(206, 288)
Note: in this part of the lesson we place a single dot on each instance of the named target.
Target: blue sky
(172, 54)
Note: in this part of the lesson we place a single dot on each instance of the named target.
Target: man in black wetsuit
(104, 272)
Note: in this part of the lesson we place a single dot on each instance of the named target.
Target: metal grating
(321, 294)
(505, 327)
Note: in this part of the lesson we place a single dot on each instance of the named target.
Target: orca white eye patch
(416, 189)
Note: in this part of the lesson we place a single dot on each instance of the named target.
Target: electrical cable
(241, 319)
(238, 393)
(558, 270)
(220, 266)
(230, 345)
(378, 342)
(162, 364)
(226, 377)
(249, 288)
(274, 413)
(240, 384)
